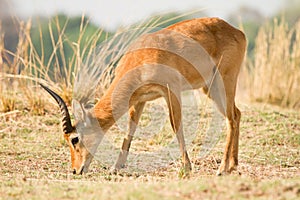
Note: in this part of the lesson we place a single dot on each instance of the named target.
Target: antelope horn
(66, 120)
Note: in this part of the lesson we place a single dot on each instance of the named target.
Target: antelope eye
(74, 140)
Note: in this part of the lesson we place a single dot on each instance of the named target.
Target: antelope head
(82, 146)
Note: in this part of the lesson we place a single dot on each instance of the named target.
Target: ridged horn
(66, 120)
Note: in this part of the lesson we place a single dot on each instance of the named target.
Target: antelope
(204, 53)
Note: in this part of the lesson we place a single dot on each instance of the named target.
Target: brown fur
(226, 47)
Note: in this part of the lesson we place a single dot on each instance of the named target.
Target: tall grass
(31, 66)
(19, 79)
(9, 97)
(273, 76)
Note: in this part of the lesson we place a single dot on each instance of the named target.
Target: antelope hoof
(120, 163)
(221, 173)
(185, 170)
(223, 170)
(113, 170)
(116, 168)
(188, 167)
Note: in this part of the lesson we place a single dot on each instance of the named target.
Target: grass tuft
(273, 76)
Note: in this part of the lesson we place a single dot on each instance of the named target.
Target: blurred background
(45, 39)
(113, 14)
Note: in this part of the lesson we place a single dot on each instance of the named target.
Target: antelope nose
(74, 171)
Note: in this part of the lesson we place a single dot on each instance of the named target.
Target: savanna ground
(35, 161)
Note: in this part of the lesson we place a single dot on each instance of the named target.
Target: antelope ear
(78, 110)
(81, 113)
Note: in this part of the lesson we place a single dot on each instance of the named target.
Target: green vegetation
(61, 35)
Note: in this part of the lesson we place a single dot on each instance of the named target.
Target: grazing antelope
(200, 53)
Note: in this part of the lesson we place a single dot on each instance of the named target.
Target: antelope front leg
(134, 116)
(120, 163)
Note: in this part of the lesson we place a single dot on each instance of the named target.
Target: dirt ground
(35, 159)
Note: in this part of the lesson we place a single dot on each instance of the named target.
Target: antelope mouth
(79, 172)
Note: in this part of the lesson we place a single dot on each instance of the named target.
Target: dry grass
(273, 76)
(28, 67)
(35, 158)
(35, 162)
